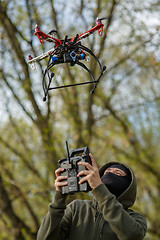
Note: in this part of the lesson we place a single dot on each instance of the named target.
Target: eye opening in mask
(116, 171)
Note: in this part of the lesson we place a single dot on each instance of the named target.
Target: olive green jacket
(104, 218)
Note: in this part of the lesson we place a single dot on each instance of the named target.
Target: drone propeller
(75, 39)
(52, 32)
(66, 39)
(102, 18)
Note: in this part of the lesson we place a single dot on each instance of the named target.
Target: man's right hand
(58, 182)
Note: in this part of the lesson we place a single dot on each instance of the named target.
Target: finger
(83, 172)
(60, 184)
(86, 164)
(84, 179)
(60, 178)
(58, 171)
(94, 164)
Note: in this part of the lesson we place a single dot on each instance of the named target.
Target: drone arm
(98, 27)
(42, 56)
(43, 36)
(100, 31)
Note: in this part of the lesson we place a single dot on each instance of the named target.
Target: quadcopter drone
(67, 51)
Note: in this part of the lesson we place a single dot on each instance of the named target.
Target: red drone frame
(67, 50)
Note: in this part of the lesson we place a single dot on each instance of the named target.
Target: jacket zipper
(97, 219)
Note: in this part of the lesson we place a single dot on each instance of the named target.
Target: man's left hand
(91, 173)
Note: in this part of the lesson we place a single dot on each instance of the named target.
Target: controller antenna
(68, 152)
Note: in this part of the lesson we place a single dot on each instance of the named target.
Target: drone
(68, 50)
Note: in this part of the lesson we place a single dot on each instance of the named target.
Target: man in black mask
(116, 178)
(107, 216)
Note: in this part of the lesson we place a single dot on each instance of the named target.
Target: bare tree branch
(10, 30)
(109, 22)
(4, 77)
(17, 223)
(54, 17)
(21, 156)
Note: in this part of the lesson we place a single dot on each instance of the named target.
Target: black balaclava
(117, 184)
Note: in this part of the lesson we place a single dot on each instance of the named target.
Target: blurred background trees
(120, 121)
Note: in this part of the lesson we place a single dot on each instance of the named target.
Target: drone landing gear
(95, 82)
(70, 53)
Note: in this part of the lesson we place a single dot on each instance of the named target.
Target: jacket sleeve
(127, 225)
(51, 224)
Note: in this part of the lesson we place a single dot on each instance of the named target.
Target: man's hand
(91, 174)
(59, 179)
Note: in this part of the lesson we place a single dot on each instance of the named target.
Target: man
(107, 217)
